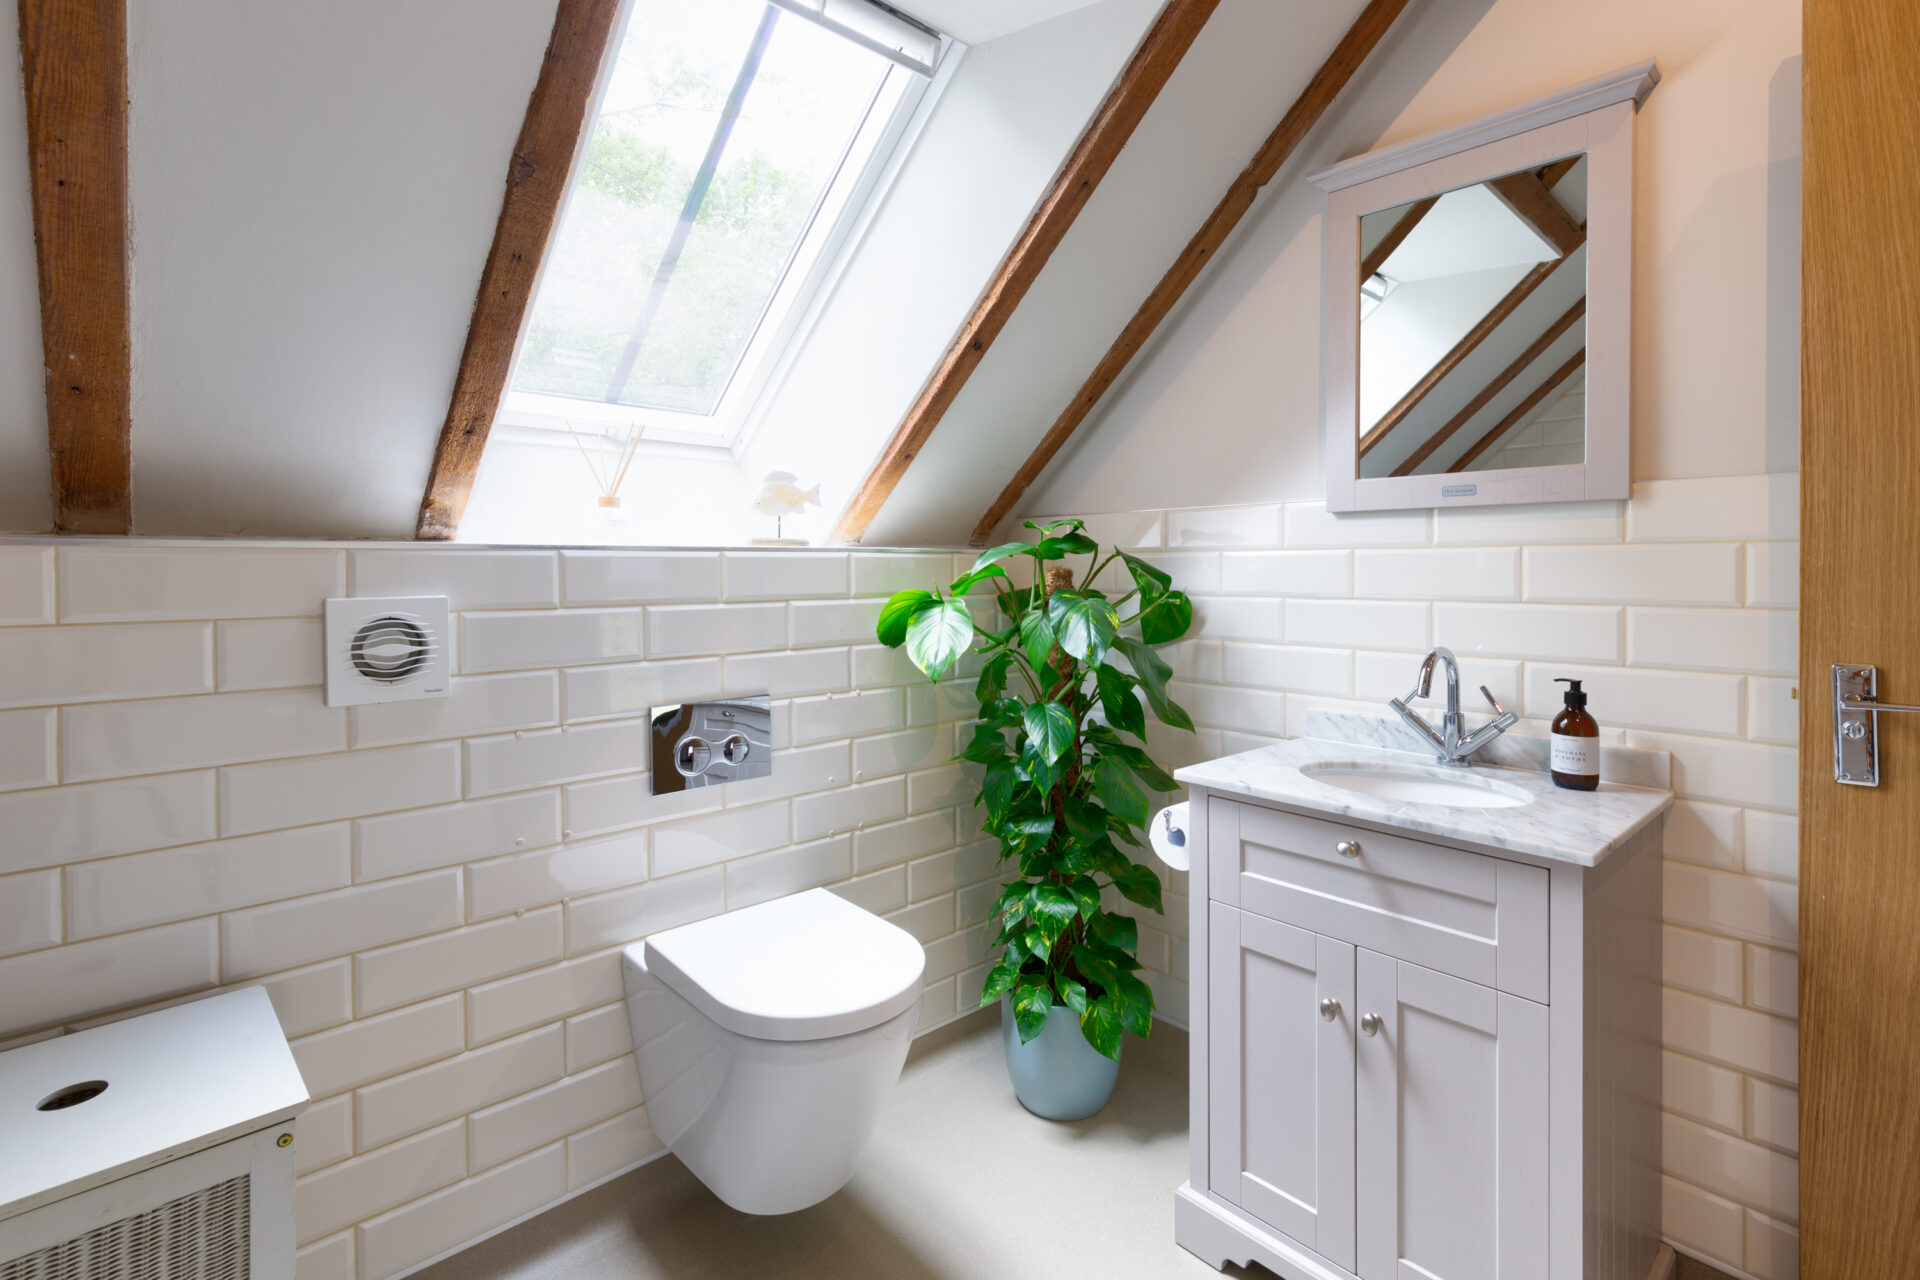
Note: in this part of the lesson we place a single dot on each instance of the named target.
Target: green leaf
(1049, 903)
(1050, 727)
(1138, 884)
(1036, 638)
(1100, 1024)
(993, 678)
(1114, 784)
(1153, 671)
(897, 612)
(1119, 932)
(989, 745)
(1133, 1001)
(1001, 979)
(1085, 625)
(1032, 1003)
(1151, 579)
(1085, 822)
(1100, 968)
(1072, 994)
(993, 555)
(1040, 772)
(938, 635)
(1086, 895)
(1071, 522)
(1069, 544)
(1167, 618)
(968, 581)
(996, 788)
(1117, 701)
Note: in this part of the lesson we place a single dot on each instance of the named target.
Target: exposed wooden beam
(1340, 66)
(536, 182)
(1528, 197)
(1492, 389)
(1521, 410)
(1550, 175)
(1395, 237)
(1467, 345)
(74, 57)
(1172, 34)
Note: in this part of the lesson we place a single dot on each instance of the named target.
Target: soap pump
(1574, 755)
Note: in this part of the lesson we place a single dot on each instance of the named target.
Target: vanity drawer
(1475, 917)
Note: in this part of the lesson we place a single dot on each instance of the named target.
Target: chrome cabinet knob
(1371, 1024)
(1348, 848)
(1329, 1009)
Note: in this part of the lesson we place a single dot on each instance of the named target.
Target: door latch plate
(1856, 745)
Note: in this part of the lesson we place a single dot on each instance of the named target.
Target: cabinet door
(1451, 1127)
(1281, 1078)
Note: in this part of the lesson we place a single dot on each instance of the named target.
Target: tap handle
(1492, 701)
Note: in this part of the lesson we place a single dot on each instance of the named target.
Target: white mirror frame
(1595, 119)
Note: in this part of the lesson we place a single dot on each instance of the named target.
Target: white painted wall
(26, 495)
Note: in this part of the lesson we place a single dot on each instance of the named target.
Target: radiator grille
(201, 1236)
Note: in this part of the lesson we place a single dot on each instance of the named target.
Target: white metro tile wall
(1677, 609)
(435, 893)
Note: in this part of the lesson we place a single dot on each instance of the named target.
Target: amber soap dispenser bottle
(1574, 755)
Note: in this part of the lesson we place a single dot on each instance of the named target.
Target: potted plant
(1065, 791)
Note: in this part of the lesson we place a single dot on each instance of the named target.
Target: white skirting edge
(1217, 1235)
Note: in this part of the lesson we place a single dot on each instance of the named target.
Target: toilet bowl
(768, 1041)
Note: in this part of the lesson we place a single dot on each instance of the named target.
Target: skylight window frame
(839, 220)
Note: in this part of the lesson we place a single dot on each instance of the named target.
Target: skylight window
(733, 145)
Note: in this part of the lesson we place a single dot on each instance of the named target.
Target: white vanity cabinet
(1416, 1059)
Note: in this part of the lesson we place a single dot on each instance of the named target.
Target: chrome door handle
(1329, 1009)
(1371, 1024)
(1873, 704)
(1856, 724)
(1348, 848)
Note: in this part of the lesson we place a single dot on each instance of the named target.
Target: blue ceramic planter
(1057, 1075)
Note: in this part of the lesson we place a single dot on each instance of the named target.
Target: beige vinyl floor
(961, 1183)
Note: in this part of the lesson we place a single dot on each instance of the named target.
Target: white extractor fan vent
(386, 650)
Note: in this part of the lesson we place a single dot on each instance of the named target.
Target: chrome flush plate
(1856, 746)
(703, 744)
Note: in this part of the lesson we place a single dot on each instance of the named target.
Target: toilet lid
(804, 967)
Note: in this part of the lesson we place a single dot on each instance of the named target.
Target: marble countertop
(1581, 827)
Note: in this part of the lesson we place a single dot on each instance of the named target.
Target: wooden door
(1450, 1122)
(1860, 603)
(1281, 1084)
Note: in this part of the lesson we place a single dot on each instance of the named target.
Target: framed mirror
(1478, 304)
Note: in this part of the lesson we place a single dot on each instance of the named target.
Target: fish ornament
(782, 496)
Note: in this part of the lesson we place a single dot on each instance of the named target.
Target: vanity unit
(1425, 1017)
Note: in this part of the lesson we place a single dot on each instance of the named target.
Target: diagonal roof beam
(1521, 410)
(1366, 32)
(1395, 237)
(1527, 195)
(536, 183)
(74, 56)
(1172, 34)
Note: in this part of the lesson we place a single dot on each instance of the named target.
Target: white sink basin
(1417, 784)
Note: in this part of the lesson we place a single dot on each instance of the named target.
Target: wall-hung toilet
(768, 1041)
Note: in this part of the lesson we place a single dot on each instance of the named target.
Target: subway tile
(312, 999)
(638, 577)
(548, 638)
(497, 1009)
(423, 839)
(329, 1259)
(389, 977)
(1682, 573)
(681, 630)
(1528, 524)
(917, 748)
(1224, 527)
(951, 954)
(40, 666)
(609, 1147)
(613, 804)
(698, 842)
(1709, 834)
(1773, 845)
(1761, 910)
(1713, 509)
(131, 583)
(825, 622)
(194, 880)
(635, 689)
(875, 665)
(65, 984)
(880, 892)
(118, 739)
(1456, 574)
(766, 876)
(29, 911)
(1773, 1248)
(1130, 529)
(1705, 1224)
(790, 675)
(1745, 1039)
(1359, 624)
(1223, 707)
(942, 787)
(1310, 524)
(513, 762)
(927, 920)
(26, 585)
(534, 879)
(29, 742)
(373, 1048)
(849, 715)
(1264, 666)
(1729, 1166)
(399, 1105)
(939, 1003)
(947, 701)
(1773, 980)
(1701, 962)
(1773, 1115)
(1695, 702)
(473, 705)
(68, 824)
(1759, 641)
(1773, 575)
(469, 579)
(1194, 572)
(625, 916)
(1748, 773)
(882, 574)
(823, 813)
(322, 926)
(1198, 660)
(884, 845)
(1773, 709)
(1287, 573)
(1701, 1091)
(355, 1190)
(410, 1235)
(268, 653)
(1540, 632)
(323, 1134)
(597, 1036)
(1380, 676)
(297, 793)
(954, 869)
(782, 575)
(1237, 618)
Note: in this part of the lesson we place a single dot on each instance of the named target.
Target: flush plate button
(685, 754)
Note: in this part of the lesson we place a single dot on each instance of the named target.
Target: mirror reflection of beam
(1527, 195)
(1572, 316)
(1523, 411)
(1377, 257)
